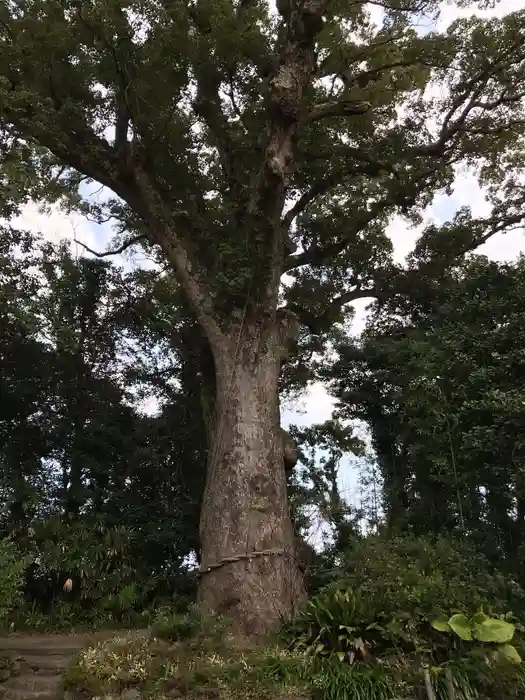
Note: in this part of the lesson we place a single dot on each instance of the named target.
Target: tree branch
(323, 186)
(207, 103)
(317, 255)
(355, 294)
(116, 251)
(320, 323)
(320, 187)
(354, 152)
(337, 108)
(124, 70)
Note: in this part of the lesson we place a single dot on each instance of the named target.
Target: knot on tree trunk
(285, 92)
(290, 451)
(289, 329)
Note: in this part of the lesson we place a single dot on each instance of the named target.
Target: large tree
(242, 143)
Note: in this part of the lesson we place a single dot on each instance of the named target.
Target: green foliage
(190, 627)
(12, 568)
(377, 616)
(455, 678)
(425, 576)
(496, 632)
(339, 622)
(479, 627)
(97, 558)
(160, 669)
(439, 377)
(110, 665)
(93, 489)
(339, 682)
(220, 669)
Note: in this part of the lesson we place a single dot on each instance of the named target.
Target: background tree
(257, 110)
(78, 455)
(440, 380)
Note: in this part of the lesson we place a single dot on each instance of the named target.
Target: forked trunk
(248, 562)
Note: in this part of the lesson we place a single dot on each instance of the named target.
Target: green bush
(379, 613)
(388, 591)
(162, 669)
(339, 622)
(335, 681)
(12, 569)
(426, 577)
(97, 558)
(110, 587)
(199, 631)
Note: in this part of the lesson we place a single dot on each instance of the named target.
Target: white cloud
(316, 407)
(55, 225)
(450, 11)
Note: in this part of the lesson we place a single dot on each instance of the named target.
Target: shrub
(196, 630)
(492, 634)
(12, 569)
(341, 682)
(7, 667)
(426, 576)
(379, 613)
(340, 622)
(110, 666)
(97, 558)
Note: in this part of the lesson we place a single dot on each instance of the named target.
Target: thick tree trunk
(248, 560)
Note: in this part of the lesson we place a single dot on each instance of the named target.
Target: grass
(161, 669)
(197, 659)
(7, 667)
(187, 656)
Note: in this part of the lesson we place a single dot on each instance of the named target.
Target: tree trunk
(248, 569)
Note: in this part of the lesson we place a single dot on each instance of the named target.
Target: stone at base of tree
(131, 694)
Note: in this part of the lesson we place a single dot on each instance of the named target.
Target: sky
(316, 406)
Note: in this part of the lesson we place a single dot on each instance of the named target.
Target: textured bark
(245, 507)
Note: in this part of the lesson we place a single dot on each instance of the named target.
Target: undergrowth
(7, 667)
(197, 659)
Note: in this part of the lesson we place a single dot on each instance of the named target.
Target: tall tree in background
(80, 341)
(242, 144)
(440, 380)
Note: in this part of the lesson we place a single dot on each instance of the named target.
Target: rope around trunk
(241, 557)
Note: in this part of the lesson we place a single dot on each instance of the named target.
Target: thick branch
(319, 188)
(341, 150)
(317, 324)
(325, 184)
(317, 255)
(338, 108)
(405, 282)
(355, 294)
(468, 98)
(124, 70)
(207, 102)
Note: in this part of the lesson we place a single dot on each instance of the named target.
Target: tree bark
(249, 571)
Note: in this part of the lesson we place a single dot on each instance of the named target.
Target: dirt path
(41, 660)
